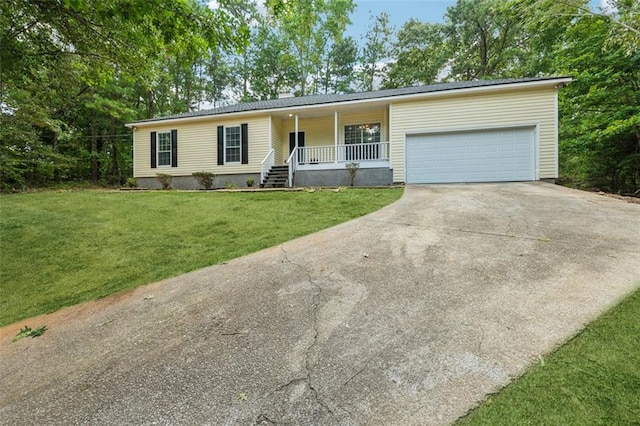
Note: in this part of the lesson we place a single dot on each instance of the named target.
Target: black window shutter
(174, 148)
(244, 135)
(220, 145)
(154, 158)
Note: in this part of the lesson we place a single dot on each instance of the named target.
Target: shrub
(352, 168)
(229, 185)
(131, 183)
(165, 180)
(250, 182)
(204, 179)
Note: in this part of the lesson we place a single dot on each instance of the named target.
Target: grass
(61, 248)
(592, 380)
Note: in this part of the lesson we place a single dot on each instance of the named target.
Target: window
(362, 133)
(232, 144)
(164, 149)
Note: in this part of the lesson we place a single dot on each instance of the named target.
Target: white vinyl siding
(506, 108)
(276, 140)
(198, 146)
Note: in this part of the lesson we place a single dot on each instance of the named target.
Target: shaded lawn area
(59, 249)
(592, 380)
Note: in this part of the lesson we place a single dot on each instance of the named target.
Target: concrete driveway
(410, 315)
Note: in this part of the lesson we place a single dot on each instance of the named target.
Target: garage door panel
(475, 156)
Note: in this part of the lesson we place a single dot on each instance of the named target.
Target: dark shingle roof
(334, 98)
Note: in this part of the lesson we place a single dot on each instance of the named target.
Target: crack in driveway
(497, 234)
(416, 331)
(306, 379)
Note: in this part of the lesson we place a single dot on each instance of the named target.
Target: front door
(292, 144)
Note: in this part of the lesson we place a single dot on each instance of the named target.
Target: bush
(165, 180)
(230, 185)
(352, 168)
(250, 182)
(131, 183)
(204, 179)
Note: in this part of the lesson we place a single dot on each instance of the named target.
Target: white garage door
(498, 155)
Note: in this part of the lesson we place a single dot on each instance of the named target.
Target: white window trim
(344, 130)
(239, 146)
(158, 150)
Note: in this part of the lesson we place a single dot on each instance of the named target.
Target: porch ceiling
(328, 110)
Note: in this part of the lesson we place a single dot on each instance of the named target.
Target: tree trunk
(94, 152)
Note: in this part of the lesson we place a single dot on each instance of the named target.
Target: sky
(400, 11)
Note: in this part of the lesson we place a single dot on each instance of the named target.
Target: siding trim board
(557, 133)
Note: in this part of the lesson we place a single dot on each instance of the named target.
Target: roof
(347, 97)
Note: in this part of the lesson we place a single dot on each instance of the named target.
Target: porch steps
(277, 177)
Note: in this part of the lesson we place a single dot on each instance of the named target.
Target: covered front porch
(315, 147)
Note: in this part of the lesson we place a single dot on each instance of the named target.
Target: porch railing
(266, 164)
(292, 164)
(343, 153)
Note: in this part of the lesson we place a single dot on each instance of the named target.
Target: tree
(600, 109)
(217, 75)
(271, 65)
(482, 37)
(309, 27)
(420, 55)
(338, 73)
(376, 51)
(73, 71)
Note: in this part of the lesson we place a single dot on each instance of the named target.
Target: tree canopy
(74, 71)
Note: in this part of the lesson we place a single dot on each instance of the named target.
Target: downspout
(294, 160)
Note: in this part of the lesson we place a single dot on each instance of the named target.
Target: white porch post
(296, 139)
(296, 130)
(335, 136)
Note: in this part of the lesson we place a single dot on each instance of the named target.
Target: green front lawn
(592, 380)
(59, 249)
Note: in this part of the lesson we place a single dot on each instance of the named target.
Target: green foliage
(27, 331)
(308, 28)
(165, 180)
(205, 179)
(376, 50)
(251, 182)
(593, 379)
(74, 73)
(338, 74)
(132, 182)
(230, 185)
(352, 168)
(482, 37)
(420, 53)
(99, 243)
(600, 109)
